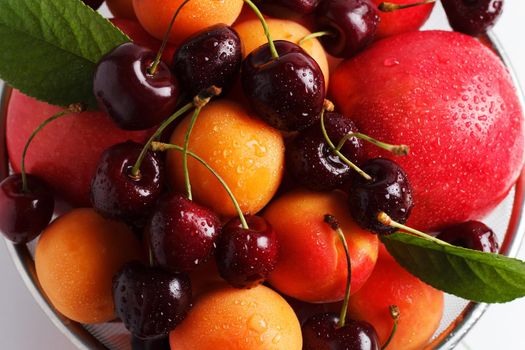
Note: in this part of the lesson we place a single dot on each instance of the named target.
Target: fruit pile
(259, 175)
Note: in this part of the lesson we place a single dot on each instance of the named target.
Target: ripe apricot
(252, 36)
(312, 263)
(239, 319)
(155, 16)
(246, 152)
(420, 305)
(76, 258)
(122, 8)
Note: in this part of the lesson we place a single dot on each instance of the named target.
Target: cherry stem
(199, 100)
(386, 220)
(394, 312)
(74, 108)
(329, 106)
(315, 35)
(334, 224)
(391, 7)
(398, 150)
(258, 13)
(153, 68)
(160, 146)
(187, 181)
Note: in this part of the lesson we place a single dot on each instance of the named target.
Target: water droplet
(257, 324)
(390, 62)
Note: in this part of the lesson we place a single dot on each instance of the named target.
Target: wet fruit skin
(473, 17)
(134, 98)
(472, 235)
(182, 233)
(420, 306)
(246, 152)
(211, 57)
(116, 194)
(321, 332)
(288, 8)
(150, 301)
(23, 215)
(469, 104)
(76, 258)
(312, 264)
(288, 92)
(402, 21)
(239, 319)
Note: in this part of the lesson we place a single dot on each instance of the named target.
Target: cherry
(388, 191)
(287, 8)
(136, 94)
(211, 57)
(24, 214)
(473, 17)
(321, 332)
(245, 257)
(162, 343)
(94, 4)
(310, 160)
(472, 235)
(352, 24)
(182, 233)
(288, 91)
(118, 194)
(150, 301)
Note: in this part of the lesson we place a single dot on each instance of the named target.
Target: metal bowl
(459, 315)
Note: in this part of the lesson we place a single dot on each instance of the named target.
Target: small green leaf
(469, 274)
(49, 48)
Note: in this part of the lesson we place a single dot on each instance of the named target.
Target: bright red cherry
(126, 88)
(24, 214)
(472, 235)
(473, 17)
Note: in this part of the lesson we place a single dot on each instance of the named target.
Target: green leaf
(469, 274)
(49, 48)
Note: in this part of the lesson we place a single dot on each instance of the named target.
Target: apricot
(421, 306)
(252, 36)
(76, 258)
(122, 8)
(246, 152)
(312, 263)
(239, 319)
(155, 16)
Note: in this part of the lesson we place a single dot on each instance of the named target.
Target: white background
(23, 324)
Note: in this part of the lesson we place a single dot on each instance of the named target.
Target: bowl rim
(447, 340)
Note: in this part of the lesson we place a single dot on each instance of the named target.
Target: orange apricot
(246, 152)
(252, 36)
(76, 258)
(122, 8)
(239, 319)
(155, 16)
(312, 263)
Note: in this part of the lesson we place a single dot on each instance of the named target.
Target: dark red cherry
(352, 22)
(472, 235)
(182, 233)
(129, 94)
(150, 301)
(116, 193)
(321, 332)
(94, 4)
(23, 215)
(389, 191)
(211, 57)
(287, 92)
(288, 8)
(245, 257)
(162, 343)
(311, 162)
(473, 17)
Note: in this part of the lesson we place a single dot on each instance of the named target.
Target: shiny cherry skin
(150, 301)
(321, 332)
(94, 4)
(352, 22)
(211, 57)
(311, 162)
(23, 215)
(162, 343)
(473, 17)
(289, 8)
(245, 257)
(116, 193)
(129, 94)
(389, 191)
(288, 92)
(472, 235)
(182, 233)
